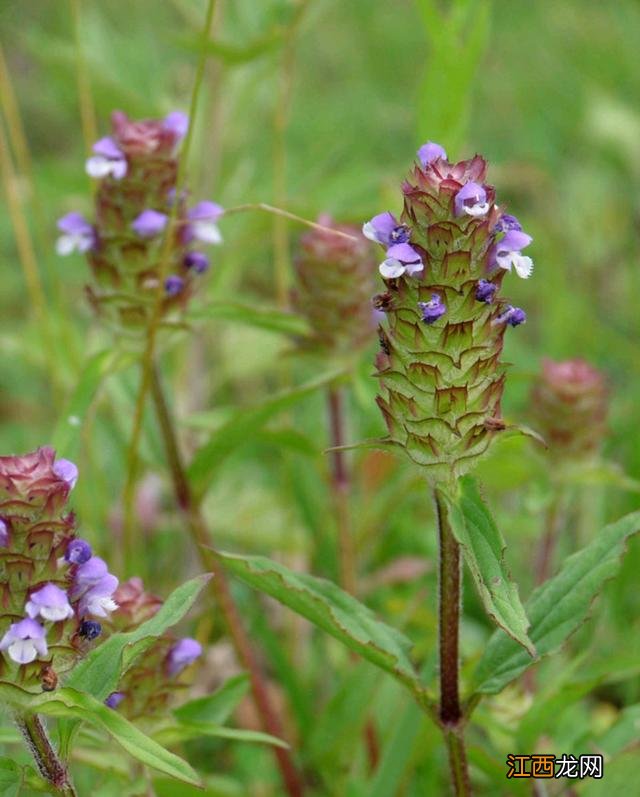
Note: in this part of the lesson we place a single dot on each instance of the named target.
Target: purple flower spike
(67, 471)
(25, 641)
(198, 261)
(430, 152)
(485, 291)
(50, 603)
(108, 159)
(202, 225)
(114, 699)
(98, 600)
(78, 552)
(149, 223)
(432, 310)
(182, 654)
(177, 123)
(401, 259)
(4, 534)
(514, 316)
(77, 235)
(472, 200)
(90, 629)
(506, 223)
(506, 253)
(173, 285)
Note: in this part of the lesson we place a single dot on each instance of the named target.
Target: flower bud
(439, 366)
(334, 286)
(569, 403)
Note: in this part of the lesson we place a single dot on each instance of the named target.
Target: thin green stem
(220, 587)
(85, 99)
(156, 311)
(450, 596)
(287, 215)
(45, 757)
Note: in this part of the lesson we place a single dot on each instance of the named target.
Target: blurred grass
(550, 99)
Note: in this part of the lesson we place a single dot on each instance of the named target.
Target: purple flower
(430, 152)
(149, 223)
(173, 285)
(198, 261)
(384, 229)
(202, 224)
(78, 552)
(89, 574)
(401, 258)
(433, 309)
(98, 600)
(67, 471)
(25, 641)
(77, 234)
(472, 200)
(90, 629)
(506, 253)
(107, 160)
(50, 602)
(4, 534)
(485, 291)
(514, 316)
(114, 699)
(182, 654)
(506, 223)
(177, 123)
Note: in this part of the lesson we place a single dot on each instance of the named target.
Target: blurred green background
(319, 106)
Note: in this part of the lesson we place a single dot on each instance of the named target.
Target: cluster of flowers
(52, 587)
(441, 340)
(148, 687)
(334, 285)
(135, 202)
(469, 199)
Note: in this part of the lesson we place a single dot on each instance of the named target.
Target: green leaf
(331, 609)
(68, 702)
(242, 425)
(218, 707)
(196, 730)
(483, 548)
(100, 672)
(251, 315)
(558, 607)
(10, 777)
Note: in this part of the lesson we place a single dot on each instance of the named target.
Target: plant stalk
(219, 586)
(46, 758)
(450, 597)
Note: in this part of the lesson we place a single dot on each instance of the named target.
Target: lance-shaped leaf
(483, 549)
(558, 607)
(67, 702)
(331, 609)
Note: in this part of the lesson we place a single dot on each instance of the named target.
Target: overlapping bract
(439, 366)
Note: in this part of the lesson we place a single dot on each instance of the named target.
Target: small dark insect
(48, 678)
(382, 301)
(384, 342)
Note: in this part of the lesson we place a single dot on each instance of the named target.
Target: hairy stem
(220, 587)
(46, 758)
(450, 714)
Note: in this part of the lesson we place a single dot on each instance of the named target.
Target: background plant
(562, 141)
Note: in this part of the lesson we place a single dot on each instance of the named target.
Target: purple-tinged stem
(45, 757)
(450, 597)
(220, 590)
